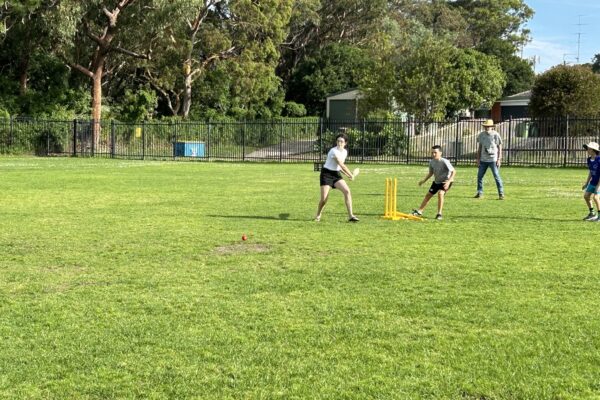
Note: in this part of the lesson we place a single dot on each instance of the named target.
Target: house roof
(349, 94)
(519, 99)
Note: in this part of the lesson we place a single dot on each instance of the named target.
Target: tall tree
(493, 27)
(435, 79)
(495, 19)
(317, 23)
(96, 37)
(566, 90)
(27, 28)
(196, 35)
(596, 64)
(519, 72)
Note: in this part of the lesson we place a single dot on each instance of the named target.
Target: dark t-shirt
(594, 166)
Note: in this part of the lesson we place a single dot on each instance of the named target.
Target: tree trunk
(97, 102)
(23, 74)
(187, 95)
(23, 83)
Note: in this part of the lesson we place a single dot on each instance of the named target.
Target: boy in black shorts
(443, 173)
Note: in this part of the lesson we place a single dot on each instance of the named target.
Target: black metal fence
(547, 141)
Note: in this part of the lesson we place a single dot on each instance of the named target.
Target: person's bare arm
(345, 169)
(449, 180)
(499, 160)
(429, 175)
(589, 178)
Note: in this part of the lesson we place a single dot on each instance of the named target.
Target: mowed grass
(129, 279)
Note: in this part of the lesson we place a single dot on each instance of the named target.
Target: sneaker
(501, 196)
(478, 195)
(353, 219)
(594, 219)
(318, 218)
(439, 217)
(417, 213)
(590, 217)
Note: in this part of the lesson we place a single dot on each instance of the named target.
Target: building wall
(342, 110)
(514, 112)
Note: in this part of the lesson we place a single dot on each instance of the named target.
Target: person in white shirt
(332, 178)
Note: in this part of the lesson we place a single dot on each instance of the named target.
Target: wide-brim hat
(489, 122)
(592, 145)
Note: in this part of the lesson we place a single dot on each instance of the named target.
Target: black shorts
(436, 187)
(329, 177)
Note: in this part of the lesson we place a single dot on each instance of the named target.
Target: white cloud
(548, 52)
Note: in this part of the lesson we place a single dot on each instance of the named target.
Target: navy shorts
(436, 187)
(329, 177)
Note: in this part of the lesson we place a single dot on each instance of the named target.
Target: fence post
(320, 139)
(207, 149)
(47, 141)
(566, 150)
(456, 133)
(280, 140)
(175, 138)
(364, 129)
(75, 137)
(244, 142)
(143, 140)
(94, 127)
(408, 132)
(508, 149)
(112, 138)
(11, 133)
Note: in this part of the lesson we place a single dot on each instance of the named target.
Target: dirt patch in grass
(241, 248)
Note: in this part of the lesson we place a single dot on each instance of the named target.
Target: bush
(566, 90)
(293, 109)
(378, 139)
(48, 142)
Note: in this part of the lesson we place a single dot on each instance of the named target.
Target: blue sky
(554, 32)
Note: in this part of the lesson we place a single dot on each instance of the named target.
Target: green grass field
(129, 279)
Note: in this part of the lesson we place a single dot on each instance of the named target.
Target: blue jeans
(483, 166)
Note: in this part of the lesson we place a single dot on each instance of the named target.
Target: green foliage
(519, 75)
(596, 64)
(334, 68)
(494, 28)
(489, 20)
(137, 106)
(566, 90)
(293, 109)
(478, 80)
(370, 138)
(519, 72)
(435, 79)
(246, 58)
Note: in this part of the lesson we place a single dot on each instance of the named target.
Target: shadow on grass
(280, 217)
(510, 218)
(454, 217)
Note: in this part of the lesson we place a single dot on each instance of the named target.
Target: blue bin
(188, 149)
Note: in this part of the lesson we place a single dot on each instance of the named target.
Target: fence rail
(547, 141)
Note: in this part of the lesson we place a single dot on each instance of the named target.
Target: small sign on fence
(138, 132)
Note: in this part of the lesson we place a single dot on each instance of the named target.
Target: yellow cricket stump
(391, 188)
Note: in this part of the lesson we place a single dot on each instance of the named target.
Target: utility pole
(579, 33)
